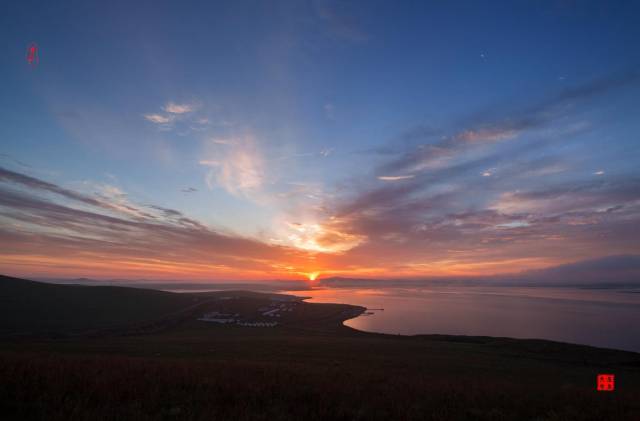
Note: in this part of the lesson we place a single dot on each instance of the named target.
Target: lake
(599, 317)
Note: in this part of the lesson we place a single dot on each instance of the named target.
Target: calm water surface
(605, 318)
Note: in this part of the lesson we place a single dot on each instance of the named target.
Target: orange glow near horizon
(95, 266)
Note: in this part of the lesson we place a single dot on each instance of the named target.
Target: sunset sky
(286, 140)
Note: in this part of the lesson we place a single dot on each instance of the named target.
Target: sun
(313, 275)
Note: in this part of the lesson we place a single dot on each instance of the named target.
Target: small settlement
(275, 310)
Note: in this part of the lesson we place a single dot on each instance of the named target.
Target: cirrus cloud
(158, 118)
(237, 165)
(174, 108)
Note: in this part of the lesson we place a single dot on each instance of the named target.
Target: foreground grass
(204, 373)
(64, 388)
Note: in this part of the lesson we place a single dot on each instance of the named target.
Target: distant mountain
(339, 282)
(618, 270)
(622, 269)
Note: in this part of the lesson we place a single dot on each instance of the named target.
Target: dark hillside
(28, 307)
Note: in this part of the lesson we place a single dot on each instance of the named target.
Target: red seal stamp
(32, 55)
(606, 383)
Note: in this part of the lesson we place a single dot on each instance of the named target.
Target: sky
(300, 139)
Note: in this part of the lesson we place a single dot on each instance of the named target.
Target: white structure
(258, 324)
(217, 317)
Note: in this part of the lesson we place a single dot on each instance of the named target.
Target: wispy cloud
(173, 108)
(158, 119)
(178, 116)
(486, 135)
(395, 177)
(37, 184)
(329, 111)
(237, 165)
(326, 152)
(506, 126)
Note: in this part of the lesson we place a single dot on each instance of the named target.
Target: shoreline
(389, 326)
(184, 310)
